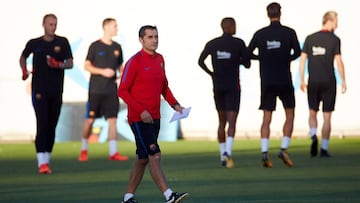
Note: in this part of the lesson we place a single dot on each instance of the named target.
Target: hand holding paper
(177, 115)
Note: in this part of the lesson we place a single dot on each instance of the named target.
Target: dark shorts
(106, 105)
(325, 93)
(146, 135)
(270, 93)
(227, 100)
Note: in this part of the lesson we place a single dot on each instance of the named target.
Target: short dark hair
(49, 15)
(107, 20)
(146, 27)
(227, 23)
(274, 10)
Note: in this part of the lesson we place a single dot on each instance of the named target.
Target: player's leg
(221, 134)
(40, 107)
(287, 97)
(90, 115)
(313, 96)
(329, 97)
(267, 104)
(55, 102)
(287, 132)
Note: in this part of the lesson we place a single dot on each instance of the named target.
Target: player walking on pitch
(321, 49)
(277, 47)
(227, 54)
(51, 55)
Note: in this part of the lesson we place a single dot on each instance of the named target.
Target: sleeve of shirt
(295, 46)
(166, 92)
(250, 50)
(27, 50)
(126, 83)
(68, 54)
(202, 58)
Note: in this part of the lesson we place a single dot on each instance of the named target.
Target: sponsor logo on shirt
(223, 55)
(116, 53)
(316, 51)
(273, 44)
(57, 49)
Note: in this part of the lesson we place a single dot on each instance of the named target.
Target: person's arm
(341, 69)
(25, 72)
(303, 58)
(250, 49)
(296, 47)
(106, 72)
(127, 80)
(245, 59)
(204, 54)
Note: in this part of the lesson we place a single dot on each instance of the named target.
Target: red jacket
(142, 84)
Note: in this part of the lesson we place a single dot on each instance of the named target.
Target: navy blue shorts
(227, 100)
(106, 105)
(270, 93)
(146, 136)
(325, 93)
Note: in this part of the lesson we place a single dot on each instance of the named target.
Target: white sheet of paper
(177, 115)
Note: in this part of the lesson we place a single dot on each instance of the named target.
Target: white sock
(40, 158)
(285, 142)
(84, 145)
(127, 196)
(222, 148)
(229, 145)
(112, 147)
(325, 144)
(264, 144)
(313, 131)
(47, 157)
(167, 193)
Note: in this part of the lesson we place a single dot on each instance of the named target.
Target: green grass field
(191, 166)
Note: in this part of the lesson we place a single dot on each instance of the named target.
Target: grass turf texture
(191, 166)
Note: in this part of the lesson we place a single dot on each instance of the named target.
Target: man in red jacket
(142, 84)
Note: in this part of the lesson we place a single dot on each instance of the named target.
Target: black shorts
(322, 92)
(269, 94)
(227, 100)
(106, 105)
(146, 135)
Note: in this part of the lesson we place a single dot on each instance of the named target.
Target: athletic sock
(313, 131)
(222, 149)
(167, 193)
(47, 157)
(84, 145)
(324, 144)
(41, 158)
(229, 145)
(112, 147)
(127, 196)
(285, 142)
(264, 144)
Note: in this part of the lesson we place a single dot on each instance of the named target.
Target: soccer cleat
(265, 161)
(118, 157)
(223, 163)
(83, 155)
(314, 146)
(284, 156)
(131, 200)
(229, 162)
(44, 169)
(324, 153)
(177, 198)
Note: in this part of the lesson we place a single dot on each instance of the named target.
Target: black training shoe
(131, 200)
(314, 146)
(324, 153)
(177, 197)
